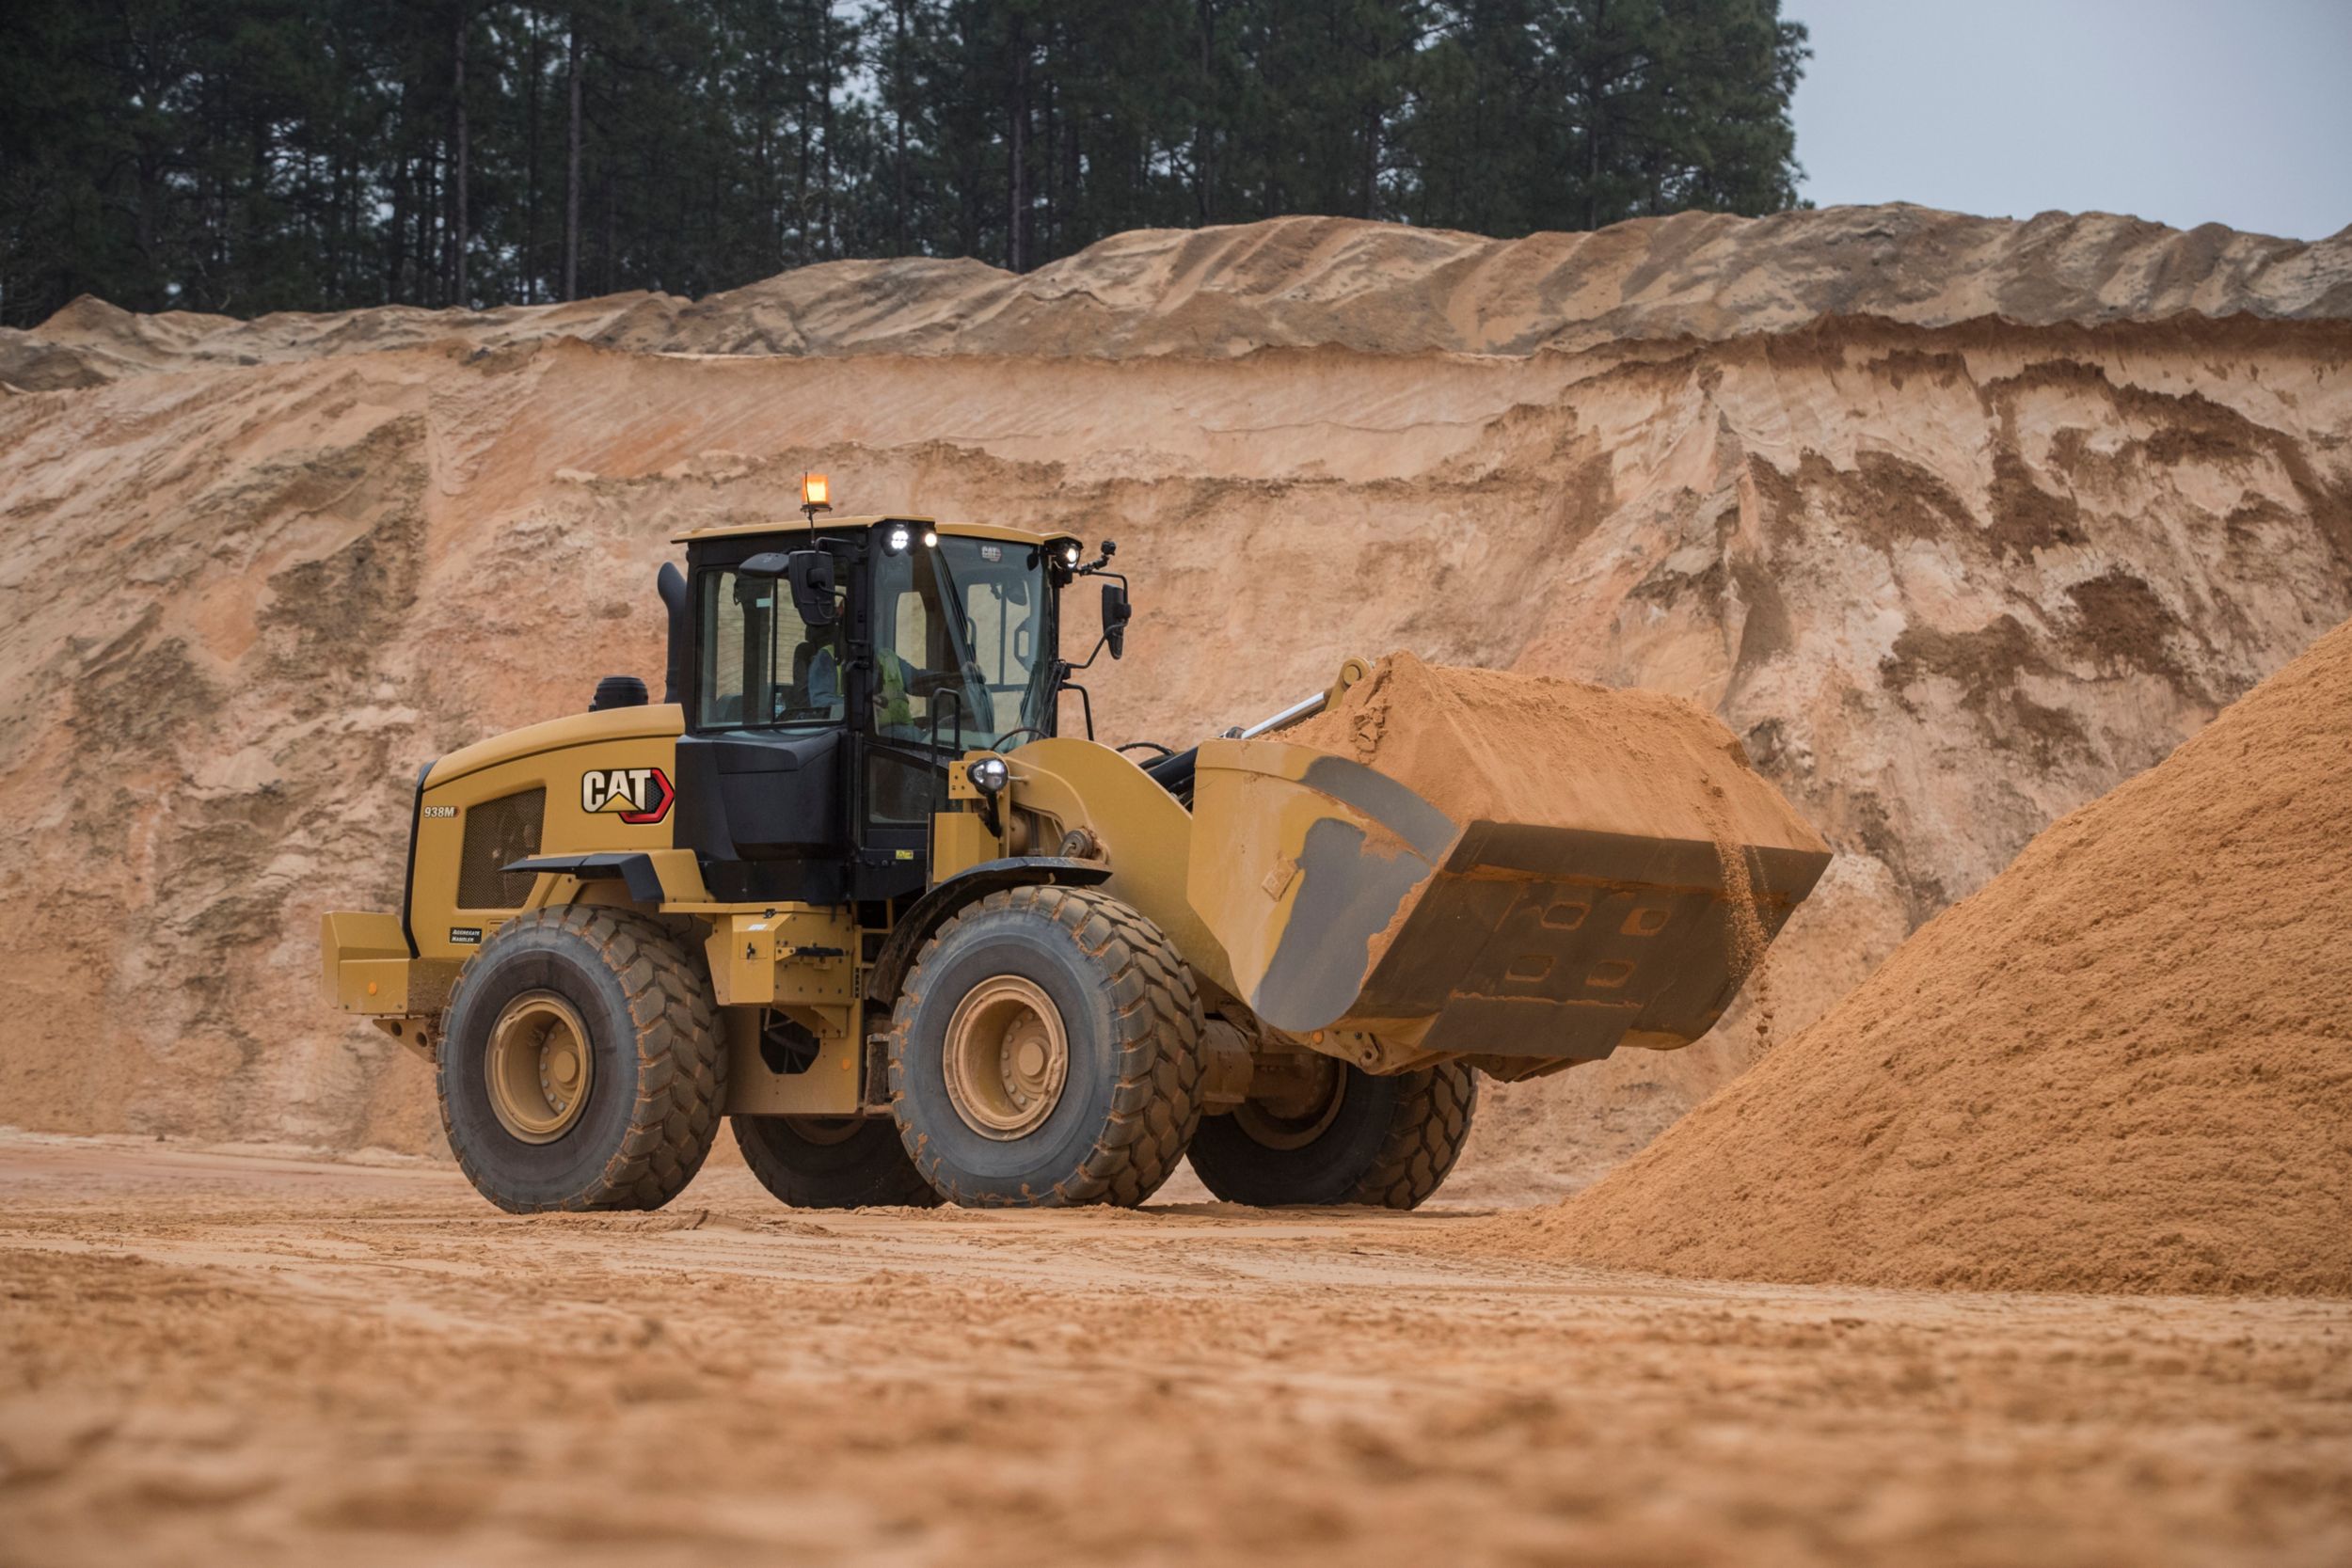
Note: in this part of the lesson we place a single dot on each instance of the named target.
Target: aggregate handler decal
(636, 795)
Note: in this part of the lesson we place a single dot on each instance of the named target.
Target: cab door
(906, 731)
(762, 780)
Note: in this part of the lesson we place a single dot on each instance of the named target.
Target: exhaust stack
(671, 586)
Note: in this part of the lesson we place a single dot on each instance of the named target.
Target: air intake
(498, 833)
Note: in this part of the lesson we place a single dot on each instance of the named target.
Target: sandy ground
(218, 1355)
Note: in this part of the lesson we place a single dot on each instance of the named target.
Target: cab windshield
(958, 630)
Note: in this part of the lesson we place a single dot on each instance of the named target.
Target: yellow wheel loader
(850, 887)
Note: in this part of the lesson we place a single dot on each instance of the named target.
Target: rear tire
(833, 1161)
(1045, 1053)
(581, 1066)
(1386, 1142)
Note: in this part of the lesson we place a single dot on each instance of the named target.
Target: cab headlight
(989, 775)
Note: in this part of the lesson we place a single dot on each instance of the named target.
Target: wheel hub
(1007, 1057)
(1293, 1101)
(538, 1068)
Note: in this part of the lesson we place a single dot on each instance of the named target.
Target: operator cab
(831, 674)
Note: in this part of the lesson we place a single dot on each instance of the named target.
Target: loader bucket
(1348, 902)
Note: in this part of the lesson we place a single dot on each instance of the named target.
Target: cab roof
(829, 524)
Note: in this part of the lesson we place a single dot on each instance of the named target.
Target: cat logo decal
(637, 796)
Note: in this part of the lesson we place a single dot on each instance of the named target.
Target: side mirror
(1116, 613)
(811, 576)
(811, 572)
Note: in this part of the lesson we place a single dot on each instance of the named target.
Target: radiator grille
(498, 833)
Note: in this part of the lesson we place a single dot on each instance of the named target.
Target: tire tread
(1426, 1134)
(681, 1073)
(880, 1183)
(1155, 1102)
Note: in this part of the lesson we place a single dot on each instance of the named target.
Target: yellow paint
(829, 1088)
(756, 959)
(652, 722)
(554, 756)
(1252, 814)
(365, 968)
(785, 530)
(1146, 836)
(960, 841)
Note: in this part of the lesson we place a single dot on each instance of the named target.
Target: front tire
(1340, 1135)
(1045, 1053)
(581, 1066)
(833, 1161)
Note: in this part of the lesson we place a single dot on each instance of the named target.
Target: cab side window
(726, 667)
(761, 665)
(911, 631)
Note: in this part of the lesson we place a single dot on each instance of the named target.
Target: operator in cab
(899, 680)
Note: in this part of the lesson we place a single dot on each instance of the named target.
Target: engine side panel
(586, 784)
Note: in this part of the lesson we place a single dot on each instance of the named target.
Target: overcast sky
(2184, 111)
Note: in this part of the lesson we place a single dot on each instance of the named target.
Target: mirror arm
(1063, 670)
(1086, 705)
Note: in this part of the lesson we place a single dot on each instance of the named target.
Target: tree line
(253, 155)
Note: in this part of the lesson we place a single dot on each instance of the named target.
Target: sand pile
(1500, 746)
(2126, 1065)
(1497, 746)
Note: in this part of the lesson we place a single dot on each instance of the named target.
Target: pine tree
(249, 156)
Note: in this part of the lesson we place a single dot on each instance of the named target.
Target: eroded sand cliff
(1956, 524)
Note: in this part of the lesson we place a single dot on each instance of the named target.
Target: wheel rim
(538, 1068)
(1007, 1057)
(1297, 1107)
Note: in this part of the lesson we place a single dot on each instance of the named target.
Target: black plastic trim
(408, 880)
(1174, 771)
(635, 868)
(677, 603)
(928, 912)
